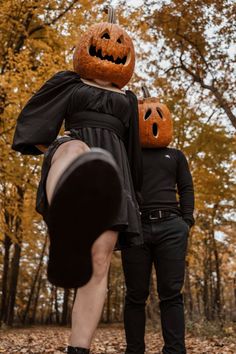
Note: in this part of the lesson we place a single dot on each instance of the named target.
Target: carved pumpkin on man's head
(105, 52)
(155, 123)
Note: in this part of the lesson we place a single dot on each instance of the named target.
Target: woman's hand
(43, 148)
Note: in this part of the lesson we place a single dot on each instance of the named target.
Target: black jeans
(165, 247)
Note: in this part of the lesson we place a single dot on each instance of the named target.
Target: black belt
(85, 119)
(156, 215)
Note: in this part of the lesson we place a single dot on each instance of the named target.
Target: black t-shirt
(167, 182)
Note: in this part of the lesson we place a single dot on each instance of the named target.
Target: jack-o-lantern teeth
(129, 58)
(99, 52)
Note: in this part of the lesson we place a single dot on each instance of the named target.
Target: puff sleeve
(41, 119)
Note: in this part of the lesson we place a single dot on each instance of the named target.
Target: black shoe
(85, 202)
(74, 350)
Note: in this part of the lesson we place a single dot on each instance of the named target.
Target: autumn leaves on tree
(185, 56)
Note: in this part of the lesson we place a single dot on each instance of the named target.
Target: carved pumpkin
(155, 123)
(105, 52)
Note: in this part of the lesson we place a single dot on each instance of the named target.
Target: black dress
(100, 118)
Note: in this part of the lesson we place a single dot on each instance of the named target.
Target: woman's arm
(41, 118)
(185, 189)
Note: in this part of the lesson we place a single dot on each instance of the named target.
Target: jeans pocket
(187, 227)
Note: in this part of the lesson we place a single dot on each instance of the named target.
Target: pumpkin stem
(146, 92)
(111, 14)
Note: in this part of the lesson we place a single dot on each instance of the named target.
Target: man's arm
(185, 189)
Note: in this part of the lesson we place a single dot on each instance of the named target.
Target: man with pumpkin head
(91, 176)
(166, 222)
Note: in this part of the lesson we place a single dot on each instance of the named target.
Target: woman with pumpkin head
(165, 221)
(90, 176)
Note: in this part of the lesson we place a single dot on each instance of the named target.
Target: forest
(186, 56)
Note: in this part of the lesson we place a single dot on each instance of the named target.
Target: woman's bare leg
(90, 298)
(64, 155)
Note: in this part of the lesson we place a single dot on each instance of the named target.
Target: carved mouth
(98, 53)
(155, 130)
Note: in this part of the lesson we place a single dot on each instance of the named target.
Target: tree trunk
(218, 278)
(64, 318)
(33, 318)
(217, 299)
(211, 286)
(49, 319)
(199, 297)
(206, 281)
(13, 284)
(56, 306)
(7, 245)
(117, 301)
(188, 294)
(34, 282)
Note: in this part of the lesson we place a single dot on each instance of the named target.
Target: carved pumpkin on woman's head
(155, 123)
(105, 52)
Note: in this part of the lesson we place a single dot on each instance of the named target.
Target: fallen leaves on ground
(108, 340)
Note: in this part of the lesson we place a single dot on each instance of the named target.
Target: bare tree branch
(212, 88)
(53, 21)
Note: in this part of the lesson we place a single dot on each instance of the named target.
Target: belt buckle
(151, 217)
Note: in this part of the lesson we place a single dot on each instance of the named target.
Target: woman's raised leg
(84, 193)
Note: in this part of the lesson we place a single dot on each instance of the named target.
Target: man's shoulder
(172, 149)
(163, 151)
(177, 154)
(175, 151)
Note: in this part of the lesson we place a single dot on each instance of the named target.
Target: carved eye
(105, 35)
(148, 113)
(159, 113)
(120, 39)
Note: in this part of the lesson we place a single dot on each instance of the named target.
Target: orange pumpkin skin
(155, 123)
(90, 54)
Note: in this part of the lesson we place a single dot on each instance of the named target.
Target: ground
(108, 340)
